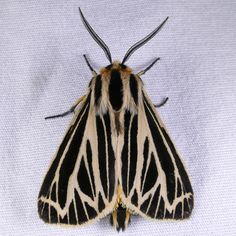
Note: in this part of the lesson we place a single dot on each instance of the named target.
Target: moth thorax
(115, 90)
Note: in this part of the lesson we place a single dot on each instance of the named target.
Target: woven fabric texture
(42, 72)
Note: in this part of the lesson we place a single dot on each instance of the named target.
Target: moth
(116, 157)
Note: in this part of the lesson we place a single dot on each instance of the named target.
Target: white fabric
(42, 72)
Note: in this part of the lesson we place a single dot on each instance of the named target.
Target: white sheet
(42, 72)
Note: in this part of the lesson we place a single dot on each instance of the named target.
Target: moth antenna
(98, 40)
(142, 41)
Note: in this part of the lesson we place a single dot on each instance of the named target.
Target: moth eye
(109, 67)
(122, 66)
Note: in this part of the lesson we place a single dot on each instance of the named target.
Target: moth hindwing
(117, 157)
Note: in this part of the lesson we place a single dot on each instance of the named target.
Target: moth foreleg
(89, 65)
(72, 109)
(162, 103)
(142, 72)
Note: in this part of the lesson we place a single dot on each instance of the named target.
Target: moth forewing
(158, 166)
(79, 200)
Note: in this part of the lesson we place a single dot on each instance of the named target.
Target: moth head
(130, 51)
(116, 65)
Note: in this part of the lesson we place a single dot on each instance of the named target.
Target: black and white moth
(116, 157)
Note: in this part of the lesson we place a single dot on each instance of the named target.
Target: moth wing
(155, 183)
(79, 185)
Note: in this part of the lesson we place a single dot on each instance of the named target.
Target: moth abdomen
(120, 217)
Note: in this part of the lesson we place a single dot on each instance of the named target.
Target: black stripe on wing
(106, 156)
(129, 152)
(181, 193)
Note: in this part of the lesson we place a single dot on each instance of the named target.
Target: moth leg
(89, 65)
(162, 103)
(72, 109)
(142, 72)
